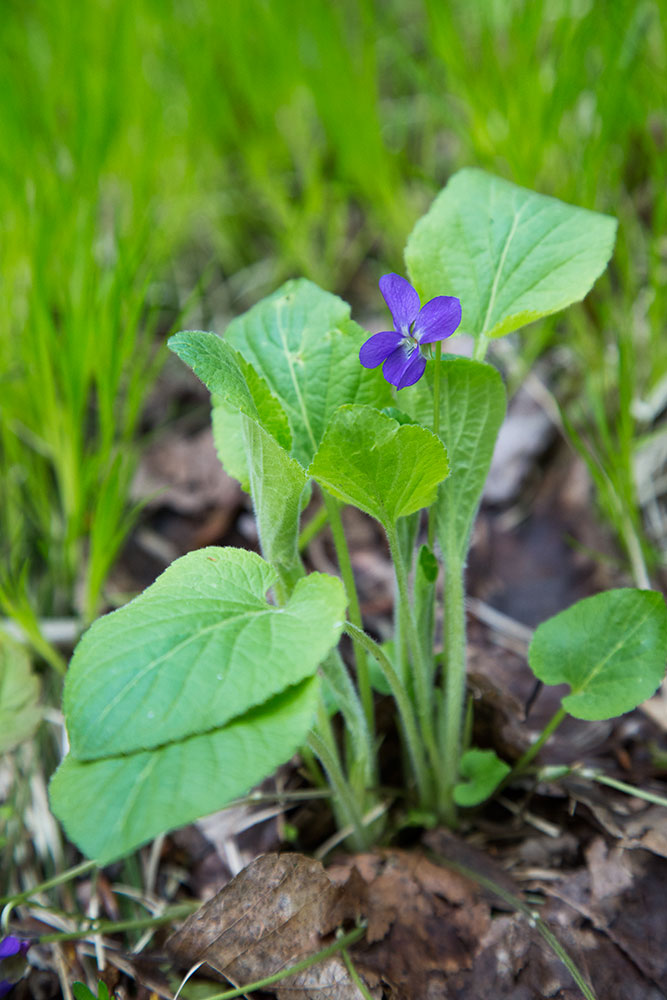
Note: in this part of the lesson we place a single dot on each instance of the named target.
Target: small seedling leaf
(611, 649)
(198, 648)
(387, 469)
(82, 992)
(482, 772)
(510, 255)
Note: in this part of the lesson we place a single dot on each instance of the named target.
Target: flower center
(410, 344)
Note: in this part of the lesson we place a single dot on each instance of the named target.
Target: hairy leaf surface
(199, 647)
(509, 254)
(110, 807)
(384, 468)
(303, 343)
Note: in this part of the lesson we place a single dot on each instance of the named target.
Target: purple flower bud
(401, 348)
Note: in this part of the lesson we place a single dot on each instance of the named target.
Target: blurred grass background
(161, 153)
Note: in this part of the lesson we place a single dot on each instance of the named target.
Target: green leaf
(510, 255)
(196, 649)
(227, 426)
(472, 408)
(81, 991)
(278, 486)
(483, 771)
(303, 343)
(19, 692)
(384, 468)
(427, 565)
(611, 649)
(228, 376)
(110, 807)
(253, 440)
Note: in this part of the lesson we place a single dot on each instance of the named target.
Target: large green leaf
(196, 649)
(510, 255)
(382, 467)
(472, 408)
(19, 693)
(611, 649)
(303, 343)
(111, 806)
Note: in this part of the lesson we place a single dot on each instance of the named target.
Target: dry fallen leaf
(424, 922)
(276, 912)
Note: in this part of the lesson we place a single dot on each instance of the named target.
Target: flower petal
(378, 348)
(11, 945)
(402, 300)
(437, 319)
(403, 369)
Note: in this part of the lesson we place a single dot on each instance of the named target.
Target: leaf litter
(277, 911)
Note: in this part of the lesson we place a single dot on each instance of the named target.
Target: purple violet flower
(12, 964)
(402, 349)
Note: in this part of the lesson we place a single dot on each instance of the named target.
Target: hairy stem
(450, 718)
(406, 713)
(481, 346)
(423, 670)
(343, 553)
(313, 528)
(436, 431)
(349, 812)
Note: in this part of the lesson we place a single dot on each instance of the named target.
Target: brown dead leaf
(622, 895)
(609, 871)
(274, 913)
(648, 829)
(424, 922)
(628, 819)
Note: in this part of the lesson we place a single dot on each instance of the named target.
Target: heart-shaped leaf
(472, 408)
(110, 807)
(196, 649)
(303, 343)
(510, 255)
(611, 649)
(482, 772)
(387, 469)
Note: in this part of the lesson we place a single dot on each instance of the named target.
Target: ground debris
(184, 474)
(424, 922)
(622, 894)
(277, 911)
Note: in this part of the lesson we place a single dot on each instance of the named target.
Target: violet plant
(182, 700)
